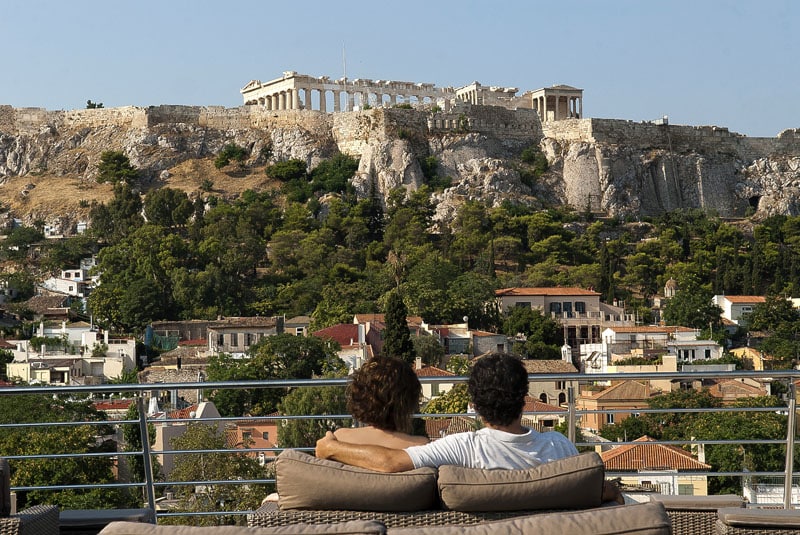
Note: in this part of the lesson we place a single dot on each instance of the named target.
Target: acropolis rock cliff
(617, 167)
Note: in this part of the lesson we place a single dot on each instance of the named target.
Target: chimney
(418, 363)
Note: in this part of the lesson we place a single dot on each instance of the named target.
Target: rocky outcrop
(609, 166)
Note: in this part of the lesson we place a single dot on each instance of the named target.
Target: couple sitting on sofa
(384, 393)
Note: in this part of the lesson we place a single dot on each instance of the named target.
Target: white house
(734, 307)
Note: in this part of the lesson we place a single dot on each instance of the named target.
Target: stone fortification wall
(491, 120)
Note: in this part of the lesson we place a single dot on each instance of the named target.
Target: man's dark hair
(497, 387)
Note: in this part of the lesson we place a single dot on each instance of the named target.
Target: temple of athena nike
(295, 91)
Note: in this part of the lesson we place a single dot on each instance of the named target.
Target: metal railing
(152, 488)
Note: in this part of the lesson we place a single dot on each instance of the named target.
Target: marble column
(282, 102)
(337, 99)
(322, 104)
(308, 97)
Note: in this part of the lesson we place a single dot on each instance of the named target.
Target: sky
(734, 64)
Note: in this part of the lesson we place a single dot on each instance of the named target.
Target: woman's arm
(372, 457)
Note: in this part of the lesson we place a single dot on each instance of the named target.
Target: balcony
(776, 488)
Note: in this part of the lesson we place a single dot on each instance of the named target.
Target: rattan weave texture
(36, 520)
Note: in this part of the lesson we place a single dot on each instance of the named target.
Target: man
(497, 387)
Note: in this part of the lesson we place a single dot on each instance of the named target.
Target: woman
(382, 396)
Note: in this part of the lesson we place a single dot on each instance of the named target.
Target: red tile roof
(626, 390)
(650, 456)
(543, 291)
(432, 371)
(743, 299)
(534, 405)
(193, 343)
(113, 404)
(345, 334)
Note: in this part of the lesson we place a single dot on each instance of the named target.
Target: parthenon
(295, 91)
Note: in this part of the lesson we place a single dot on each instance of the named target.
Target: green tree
(167, 207)
(281, 356)
(214, 466)
(334, 175)
(93, 105)
(121, 216)
(133, 442)
(454, 401)
(286, 171)
(6, 356)
(311, 401)
(71, 439)
(115, 167)
(692, 307)
(774, 311)
(544, 335)
(396, 336)
(429, 350)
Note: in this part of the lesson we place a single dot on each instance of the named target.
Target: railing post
(790, 430)
(571, 413)
(146, 460)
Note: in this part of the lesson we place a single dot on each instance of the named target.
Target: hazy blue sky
(701, 62)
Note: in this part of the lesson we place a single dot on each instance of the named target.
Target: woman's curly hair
(497, 387)
(384, 393)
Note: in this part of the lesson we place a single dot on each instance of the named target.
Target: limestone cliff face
(609, 166)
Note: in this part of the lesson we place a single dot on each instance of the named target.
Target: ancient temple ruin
(295, 91)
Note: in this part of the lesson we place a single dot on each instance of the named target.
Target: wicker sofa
(37, 520)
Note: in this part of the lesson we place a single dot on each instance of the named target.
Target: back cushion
(638, 519)
(306, 482)
(570, 483)
(355, 527)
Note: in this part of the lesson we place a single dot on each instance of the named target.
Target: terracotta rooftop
(543, 291)
(735, 389)
(432, 371)
(626, 390)
(193, 343)
(534, 405)
(40, 304)
(743, 299)
(413, 321)
(345, 334)
(549, 366)
(651, 329)
(650, 456)
(113, 404)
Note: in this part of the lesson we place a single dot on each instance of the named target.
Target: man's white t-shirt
(491, 448)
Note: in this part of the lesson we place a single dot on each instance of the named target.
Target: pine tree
(397, 338)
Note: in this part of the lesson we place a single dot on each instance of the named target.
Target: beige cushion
(570, 483)
(306, 482)
(698, 503)
(342, 528)
(638, 519)
(759, 518)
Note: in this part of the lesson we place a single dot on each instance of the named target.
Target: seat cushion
(355, 527)
(306, 482)
(637, 519)
(571, 483)
(761, 518)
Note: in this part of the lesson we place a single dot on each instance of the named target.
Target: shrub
(334, 175)
(288, 170)
(230, 152)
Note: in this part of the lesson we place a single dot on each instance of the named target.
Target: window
(501, 348)
(247, 436)
(523, 304)
(265, 435)
(561, 385)
(543, 397)
(685, 489)
(220, 340)
(580, 307)
(562, 398)
(234, 339)
(567, 308)
(248, 339)
(610, 418)
(555, 308)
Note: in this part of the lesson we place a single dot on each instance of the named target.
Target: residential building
(755, 356)
(431, 390)
(580, 311)
(351, 338)
(254, 434)
(456, 338)
(667, 469)
(628, 397)
(297, 325)
(735, 307)
(730, 390)
(168, 431)
(542, 416)
(551, 392)
(98, 359)
(485, 342)
(374, 324)
(235, 335)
